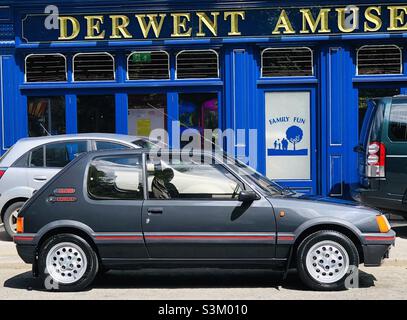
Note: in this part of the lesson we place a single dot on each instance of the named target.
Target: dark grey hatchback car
(131, 209)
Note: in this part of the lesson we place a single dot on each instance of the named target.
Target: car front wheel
(67, 263)
(327, 261)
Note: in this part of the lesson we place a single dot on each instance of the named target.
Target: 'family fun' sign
(264, 22)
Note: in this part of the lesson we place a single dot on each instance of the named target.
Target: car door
(395, 132)
(46, 161)
(192, 212)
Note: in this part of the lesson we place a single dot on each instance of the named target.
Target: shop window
(198, 111)
(379, 59)
(46, 116)
(93, 67)
(45, 68)
(96, 113)
(366, 94)
(148, 65)
(146, 112)
(193, 64)
(287, 62)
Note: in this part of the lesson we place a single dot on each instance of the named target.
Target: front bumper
(377, 247)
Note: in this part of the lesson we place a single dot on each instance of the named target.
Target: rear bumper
(377, 248)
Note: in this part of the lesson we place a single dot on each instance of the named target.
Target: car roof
(25, 144)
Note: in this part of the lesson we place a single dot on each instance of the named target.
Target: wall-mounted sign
(288, 140)
(264, 22)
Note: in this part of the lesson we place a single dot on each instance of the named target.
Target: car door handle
(155, 211)
(40, 178)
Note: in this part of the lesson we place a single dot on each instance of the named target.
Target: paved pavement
(386, 282)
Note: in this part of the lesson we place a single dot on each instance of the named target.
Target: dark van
(383, 155)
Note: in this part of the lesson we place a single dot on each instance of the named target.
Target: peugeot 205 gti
(132, 209)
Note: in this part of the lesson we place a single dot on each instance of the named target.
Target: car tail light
(376, 160)
(2, 172)
(20, 225)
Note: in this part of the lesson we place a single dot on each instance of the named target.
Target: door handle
(155, 211)
(40, 178)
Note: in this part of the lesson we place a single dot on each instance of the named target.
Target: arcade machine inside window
(198, 111)
(46, 116)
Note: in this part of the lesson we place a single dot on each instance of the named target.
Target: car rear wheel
(326, 261)
(67, 263)
(10, 218)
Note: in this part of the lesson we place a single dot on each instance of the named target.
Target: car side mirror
(247, 196)
(359, 149)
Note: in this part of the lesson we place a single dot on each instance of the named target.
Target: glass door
(290, 139)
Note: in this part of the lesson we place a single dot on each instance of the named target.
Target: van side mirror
(247, 196)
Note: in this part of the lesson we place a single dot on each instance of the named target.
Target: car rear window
(398, 123)
(116, 178)
(5, 154)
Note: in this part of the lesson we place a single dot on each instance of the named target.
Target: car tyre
(326, 260)
(10, 218)
(67, 262)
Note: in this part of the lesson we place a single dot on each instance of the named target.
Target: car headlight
(383, 223)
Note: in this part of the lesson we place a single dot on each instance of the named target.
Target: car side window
(106, 145)
(398, 123)
(58, 155)
(116, 178)
(37, 157)
(178, 179)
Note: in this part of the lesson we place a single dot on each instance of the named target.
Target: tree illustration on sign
(294, 135)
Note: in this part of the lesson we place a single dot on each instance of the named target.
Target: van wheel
(67, 263)
(10, 218)
(326, 260)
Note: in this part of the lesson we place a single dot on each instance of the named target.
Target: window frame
(93, 53)
(45, 54)
(285, 48)
(197, 50)
(379, 74)
(151, 51)
(91, 197)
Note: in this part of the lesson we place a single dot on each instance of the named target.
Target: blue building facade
(299, 73)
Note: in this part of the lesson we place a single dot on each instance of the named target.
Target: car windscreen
(268, 186)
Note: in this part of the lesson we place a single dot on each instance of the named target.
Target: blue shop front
(289, 79)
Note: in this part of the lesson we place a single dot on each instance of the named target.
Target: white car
(31, 162)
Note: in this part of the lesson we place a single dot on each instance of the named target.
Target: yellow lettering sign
(342, 16)
(397, 18)
(308, 21)
(285, 23)
(63, 28)
(93, 24)
(234, 21)
(119, 27)
(373, 18)
(180, 25)
(212, 25)
(152, 23)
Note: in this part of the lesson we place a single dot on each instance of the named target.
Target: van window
(398, 123)
(116, 178)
